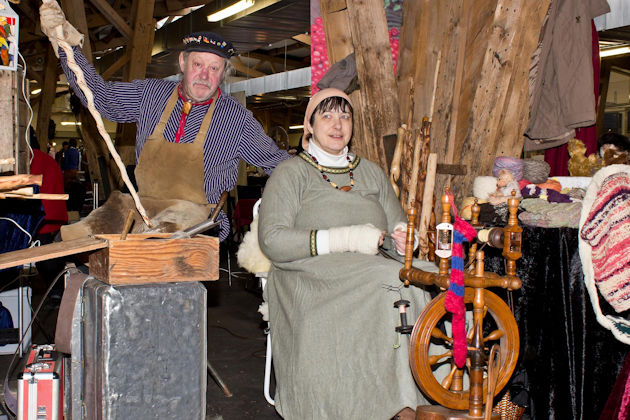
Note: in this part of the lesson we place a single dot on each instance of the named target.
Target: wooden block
(445, 168)
(139, 260)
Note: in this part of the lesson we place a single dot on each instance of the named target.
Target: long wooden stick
(394, 169)
(415, 169)
(14, 181)
(37, 196)
(89, 96)
(427, 205)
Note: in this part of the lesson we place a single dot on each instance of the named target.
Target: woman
(322, 218)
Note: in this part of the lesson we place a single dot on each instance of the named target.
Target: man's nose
(203, 73)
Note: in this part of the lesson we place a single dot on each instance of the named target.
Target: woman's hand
(364, 239)
(399, 235)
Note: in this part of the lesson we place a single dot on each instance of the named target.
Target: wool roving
(454, 301)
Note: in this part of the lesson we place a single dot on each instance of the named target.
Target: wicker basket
(507, 409)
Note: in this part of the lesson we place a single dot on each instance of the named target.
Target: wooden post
(138, 50)
(375, 68)
(47, 96)
(75, 13)
(339, 45)
(96, 149)
(7, 135)
(481, 104)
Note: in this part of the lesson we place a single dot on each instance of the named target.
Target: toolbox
(40, 388)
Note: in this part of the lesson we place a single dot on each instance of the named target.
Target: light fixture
(239, 6)
(70, 123)
(35, 92)
(614, 51)
(296, 127)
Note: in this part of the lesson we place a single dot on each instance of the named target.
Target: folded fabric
(552, 196)
(340, 75)
(542, 213)
(607, 230)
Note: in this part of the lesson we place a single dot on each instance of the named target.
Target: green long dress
(332, 316)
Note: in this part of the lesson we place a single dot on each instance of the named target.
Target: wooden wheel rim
(421, 339)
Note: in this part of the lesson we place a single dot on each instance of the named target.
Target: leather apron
(169, 170)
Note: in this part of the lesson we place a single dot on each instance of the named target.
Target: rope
(89, 96)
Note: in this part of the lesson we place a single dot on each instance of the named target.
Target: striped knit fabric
(234, 133)
(454, 301)
(607, 231)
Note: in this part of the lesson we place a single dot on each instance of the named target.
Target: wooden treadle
(50, 251)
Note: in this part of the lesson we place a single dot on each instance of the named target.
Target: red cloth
(52, 183)
(558, 157)
(618, 407)
(244, 212)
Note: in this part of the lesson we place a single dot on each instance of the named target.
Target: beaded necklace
(345, 188)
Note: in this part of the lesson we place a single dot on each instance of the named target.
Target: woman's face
(332, 130)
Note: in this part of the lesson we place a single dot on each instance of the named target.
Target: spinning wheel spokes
(429, 334)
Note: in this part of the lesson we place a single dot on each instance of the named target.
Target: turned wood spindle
(446, 218)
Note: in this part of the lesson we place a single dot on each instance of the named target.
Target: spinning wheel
(429, 331)
(491, 341)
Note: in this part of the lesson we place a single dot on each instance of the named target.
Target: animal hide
(249, 255)
(165, 215)
(483, 186)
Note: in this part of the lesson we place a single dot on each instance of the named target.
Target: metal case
(39, 386)
(141, 352)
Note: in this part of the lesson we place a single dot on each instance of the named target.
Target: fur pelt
(483, 186)
(249, 255)
(165, 215)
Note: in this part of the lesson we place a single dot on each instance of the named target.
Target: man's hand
(51, 18)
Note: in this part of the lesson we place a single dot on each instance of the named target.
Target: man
(189, 136)
(55, 211)
(59, 156)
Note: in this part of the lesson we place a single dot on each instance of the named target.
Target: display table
(570, 361)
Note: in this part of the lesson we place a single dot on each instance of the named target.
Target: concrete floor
(236, 343)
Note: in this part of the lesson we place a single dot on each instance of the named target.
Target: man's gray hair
(227, 71)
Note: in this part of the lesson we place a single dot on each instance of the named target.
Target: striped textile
(607, 231)
(234, 133)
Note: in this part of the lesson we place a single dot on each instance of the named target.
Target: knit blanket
(607, 230)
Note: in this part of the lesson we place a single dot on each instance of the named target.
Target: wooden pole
(47, 96)
(427, 205)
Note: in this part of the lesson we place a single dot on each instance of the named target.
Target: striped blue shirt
(234, 133)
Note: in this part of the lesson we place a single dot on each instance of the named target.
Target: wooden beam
(241, 67)
(138, 51)
(375, 69)
(141, 44)
(339, 45)
(273, 59)
(75, 13)
(111, 44)
(114, 18)
(118, 64)
(28, 11)
(47, 95)
(302, 38)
